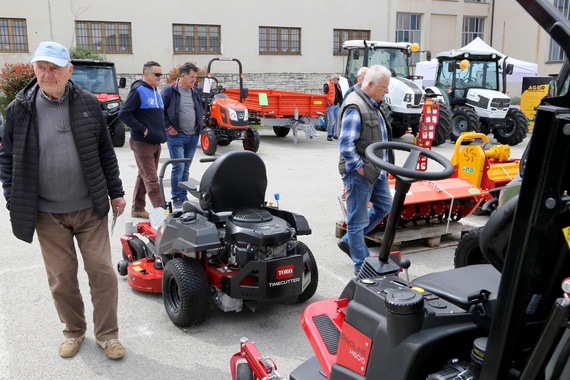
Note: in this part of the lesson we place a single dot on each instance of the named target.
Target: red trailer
(283, 110)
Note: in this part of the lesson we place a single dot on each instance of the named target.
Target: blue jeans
(361, 219)
(181, 146)
(332, 117)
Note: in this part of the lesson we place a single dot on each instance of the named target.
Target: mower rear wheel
(309, 265)
(209, 142)
(244, 372)
(185, 292)
(281, 131)
(464, 120)
(468, 251)
(251, 140)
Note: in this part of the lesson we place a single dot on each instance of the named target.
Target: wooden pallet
(430, 234)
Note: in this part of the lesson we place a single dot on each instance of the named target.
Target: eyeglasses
(158, 75)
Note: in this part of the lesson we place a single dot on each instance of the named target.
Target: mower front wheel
(244, 372)
(185, 292)
(209, 142)
(309, 265)
(251, 140)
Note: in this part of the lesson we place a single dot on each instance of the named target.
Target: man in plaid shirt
(361, 124)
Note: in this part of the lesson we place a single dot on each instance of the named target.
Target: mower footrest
(329, 332)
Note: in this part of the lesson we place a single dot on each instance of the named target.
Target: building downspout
(50, 23)
(492, 22)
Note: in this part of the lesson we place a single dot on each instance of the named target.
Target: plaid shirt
(350, 133)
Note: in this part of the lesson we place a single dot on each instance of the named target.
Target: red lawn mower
(228, 246)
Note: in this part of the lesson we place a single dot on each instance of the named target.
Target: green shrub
(174, 74)
(81, 52)
(13, 78)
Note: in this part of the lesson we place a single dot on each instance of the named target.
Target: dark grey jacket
(370, 131)
(19, 156)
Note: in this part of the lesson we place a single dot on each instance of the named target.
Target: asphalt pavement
(306, 177)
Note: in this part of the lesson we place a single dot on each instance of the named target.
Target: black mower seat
(236, 180)
(457, 285)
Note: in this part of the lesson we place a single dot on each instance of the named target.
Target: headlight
(233, 115)
(245, 115)
(113, 105)
(408, 98)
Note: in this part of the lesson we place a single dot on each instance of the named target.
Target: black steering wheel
(408, 172)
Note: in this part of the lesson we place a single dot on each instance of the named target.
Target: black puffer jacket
(20, 153)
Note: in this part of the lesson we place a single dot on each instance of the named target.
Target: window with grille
(409, 29)
(473, 27)
(276, 40)
(196, 39)
(102, 37)
(342, 35)
(13, 35)
(555, 52)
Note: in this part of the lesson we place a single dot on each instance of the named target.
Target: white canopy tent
(428, 69)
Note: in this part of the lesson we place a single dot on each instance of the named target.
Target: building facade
(294, 43)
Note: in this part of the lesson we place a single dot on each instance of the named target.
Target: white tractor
(468, 81)
(404, 103)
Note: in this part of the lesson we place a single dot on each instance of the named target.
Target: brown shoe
(113, 348)
(140, 214)
(70, 346)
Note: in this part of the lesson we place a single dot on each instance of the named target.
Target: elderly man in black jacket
(59, 171)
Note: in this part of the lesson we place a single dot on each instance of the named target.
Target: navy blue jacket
(143, 110)
(171, 98)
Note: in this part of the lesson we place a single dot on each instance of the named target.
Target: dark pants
(147, 157)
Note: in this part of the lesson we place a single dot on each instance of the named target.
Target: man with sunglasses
(142, 112)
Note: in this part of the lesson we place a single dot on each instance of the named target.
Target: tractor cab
(472, 78)
(403, 104)
(470, 83)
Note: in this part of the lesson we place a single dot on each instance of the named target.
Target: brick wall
(299, 82)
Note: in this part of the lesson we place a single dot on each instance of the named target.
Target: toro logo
(286, 271)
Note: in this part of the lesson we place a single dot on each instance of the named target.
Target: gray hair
(362, 71)
(375, 73)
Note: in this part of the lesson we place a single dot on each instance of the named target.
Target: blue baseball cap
(53, 52)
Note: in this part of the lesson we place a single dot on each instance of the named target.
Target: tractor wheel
(310, 265)
(281, 131)
(443, 128)
(244, 372)
(185, 292)
(209, 142)
(464, 120)
(398, 129)
(468, 251)
(515, 130)
(251, 140)
(117, 131)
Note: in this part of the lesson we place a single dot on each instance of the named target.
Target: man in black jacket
(59, 170)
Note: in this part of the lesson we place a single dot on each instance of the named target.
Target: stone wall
(299, 82)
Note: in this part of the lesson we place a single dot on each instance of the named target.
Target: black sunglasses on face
(158, 75)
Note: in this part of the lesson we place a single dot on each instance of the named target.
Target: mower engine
(257, 235)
